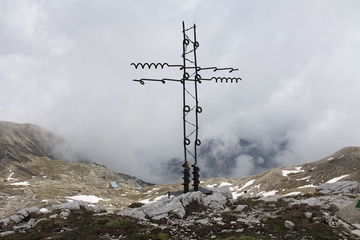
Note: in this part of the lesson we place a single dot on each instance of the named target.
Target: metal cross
(190, 75)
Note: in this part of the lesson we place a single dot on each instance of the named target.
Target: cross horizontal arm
(226, 79)
(143, 80)
(217, 69)
(181, 67)
(221, 79)
(155, 65)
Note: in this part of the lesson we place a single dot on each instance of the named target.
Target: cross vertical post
(190, 74)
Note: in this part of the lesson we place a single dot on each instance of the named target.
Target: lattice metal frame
(190, 81)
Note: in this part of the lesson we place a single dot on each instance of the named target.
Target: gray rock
(334, 207)
(5, 221)
(54, 216)
(203, 221)
(313, 201)
(246, 221)
(6, 233)
(132, 212)
(356, 225)
(215, 201)
(16, 218)
(30, 224)
(271, 198)
(76, 205)
(22, 212)
(35, 210)
(341, 223)
(289, 225)
(65, 214)
(355, 233)
(339, 187)
(99, 209)
(164, 207)
(308, 214)
(159, 217)
(224, 190)
(350, 213)
(239, 208)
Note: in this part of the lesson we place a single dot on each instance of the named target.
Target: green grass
(82, 223)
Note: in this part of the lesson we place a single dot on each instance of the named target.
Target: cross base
(178, 193)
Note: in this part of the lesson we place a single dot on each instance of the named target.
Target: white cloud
(65, 65)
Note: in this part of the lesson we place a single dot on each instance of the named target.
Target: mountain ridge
(54, 180)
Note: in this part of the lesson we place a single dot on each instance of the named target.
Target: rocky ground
(39, 198)
(198, 216)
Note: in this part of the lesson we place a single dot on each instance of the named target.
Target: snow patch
(266, 194)
(304, 178)
(225, 184)
(146, 201)
(85, 198)
(151, 190)
(247, 184)
(292, 194)
(20, 184)
(337, 178)
(309, 185)
(237, 191)
(287, 172)
(44, 210)
(10, 178)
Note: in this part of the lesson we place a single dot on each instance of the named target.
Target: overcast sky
(65, 65)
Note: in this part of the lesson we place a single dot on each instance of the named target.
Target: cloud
(65, 65)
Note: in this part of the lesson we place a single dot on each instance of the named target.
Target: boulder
(16, 218)
(355, 233)
(65, 214)
(350, 213)
(224, 190)
(313, 201)
(76, 205)
(176, 206)
(132, 212)
(289, 225)
(239, 208)
(339, 187)
(5, 221)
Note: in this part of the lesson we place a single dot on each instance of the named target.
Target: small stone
(333, 208)
(356, 225)
(16, 218)
(5, 221)
(54, 216)
(6, 233)
(65, 214)
(23, 212)
(203, 221)
(308, 214)
(289, 225)
(246, 221)
(239, 208)
(355, 232)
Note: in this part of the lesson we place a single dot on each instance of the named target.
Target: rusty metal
(191, 77)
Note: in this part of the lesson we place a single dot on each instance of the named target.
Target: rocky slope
(315, 200)
(196, 216)
(33, 172)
